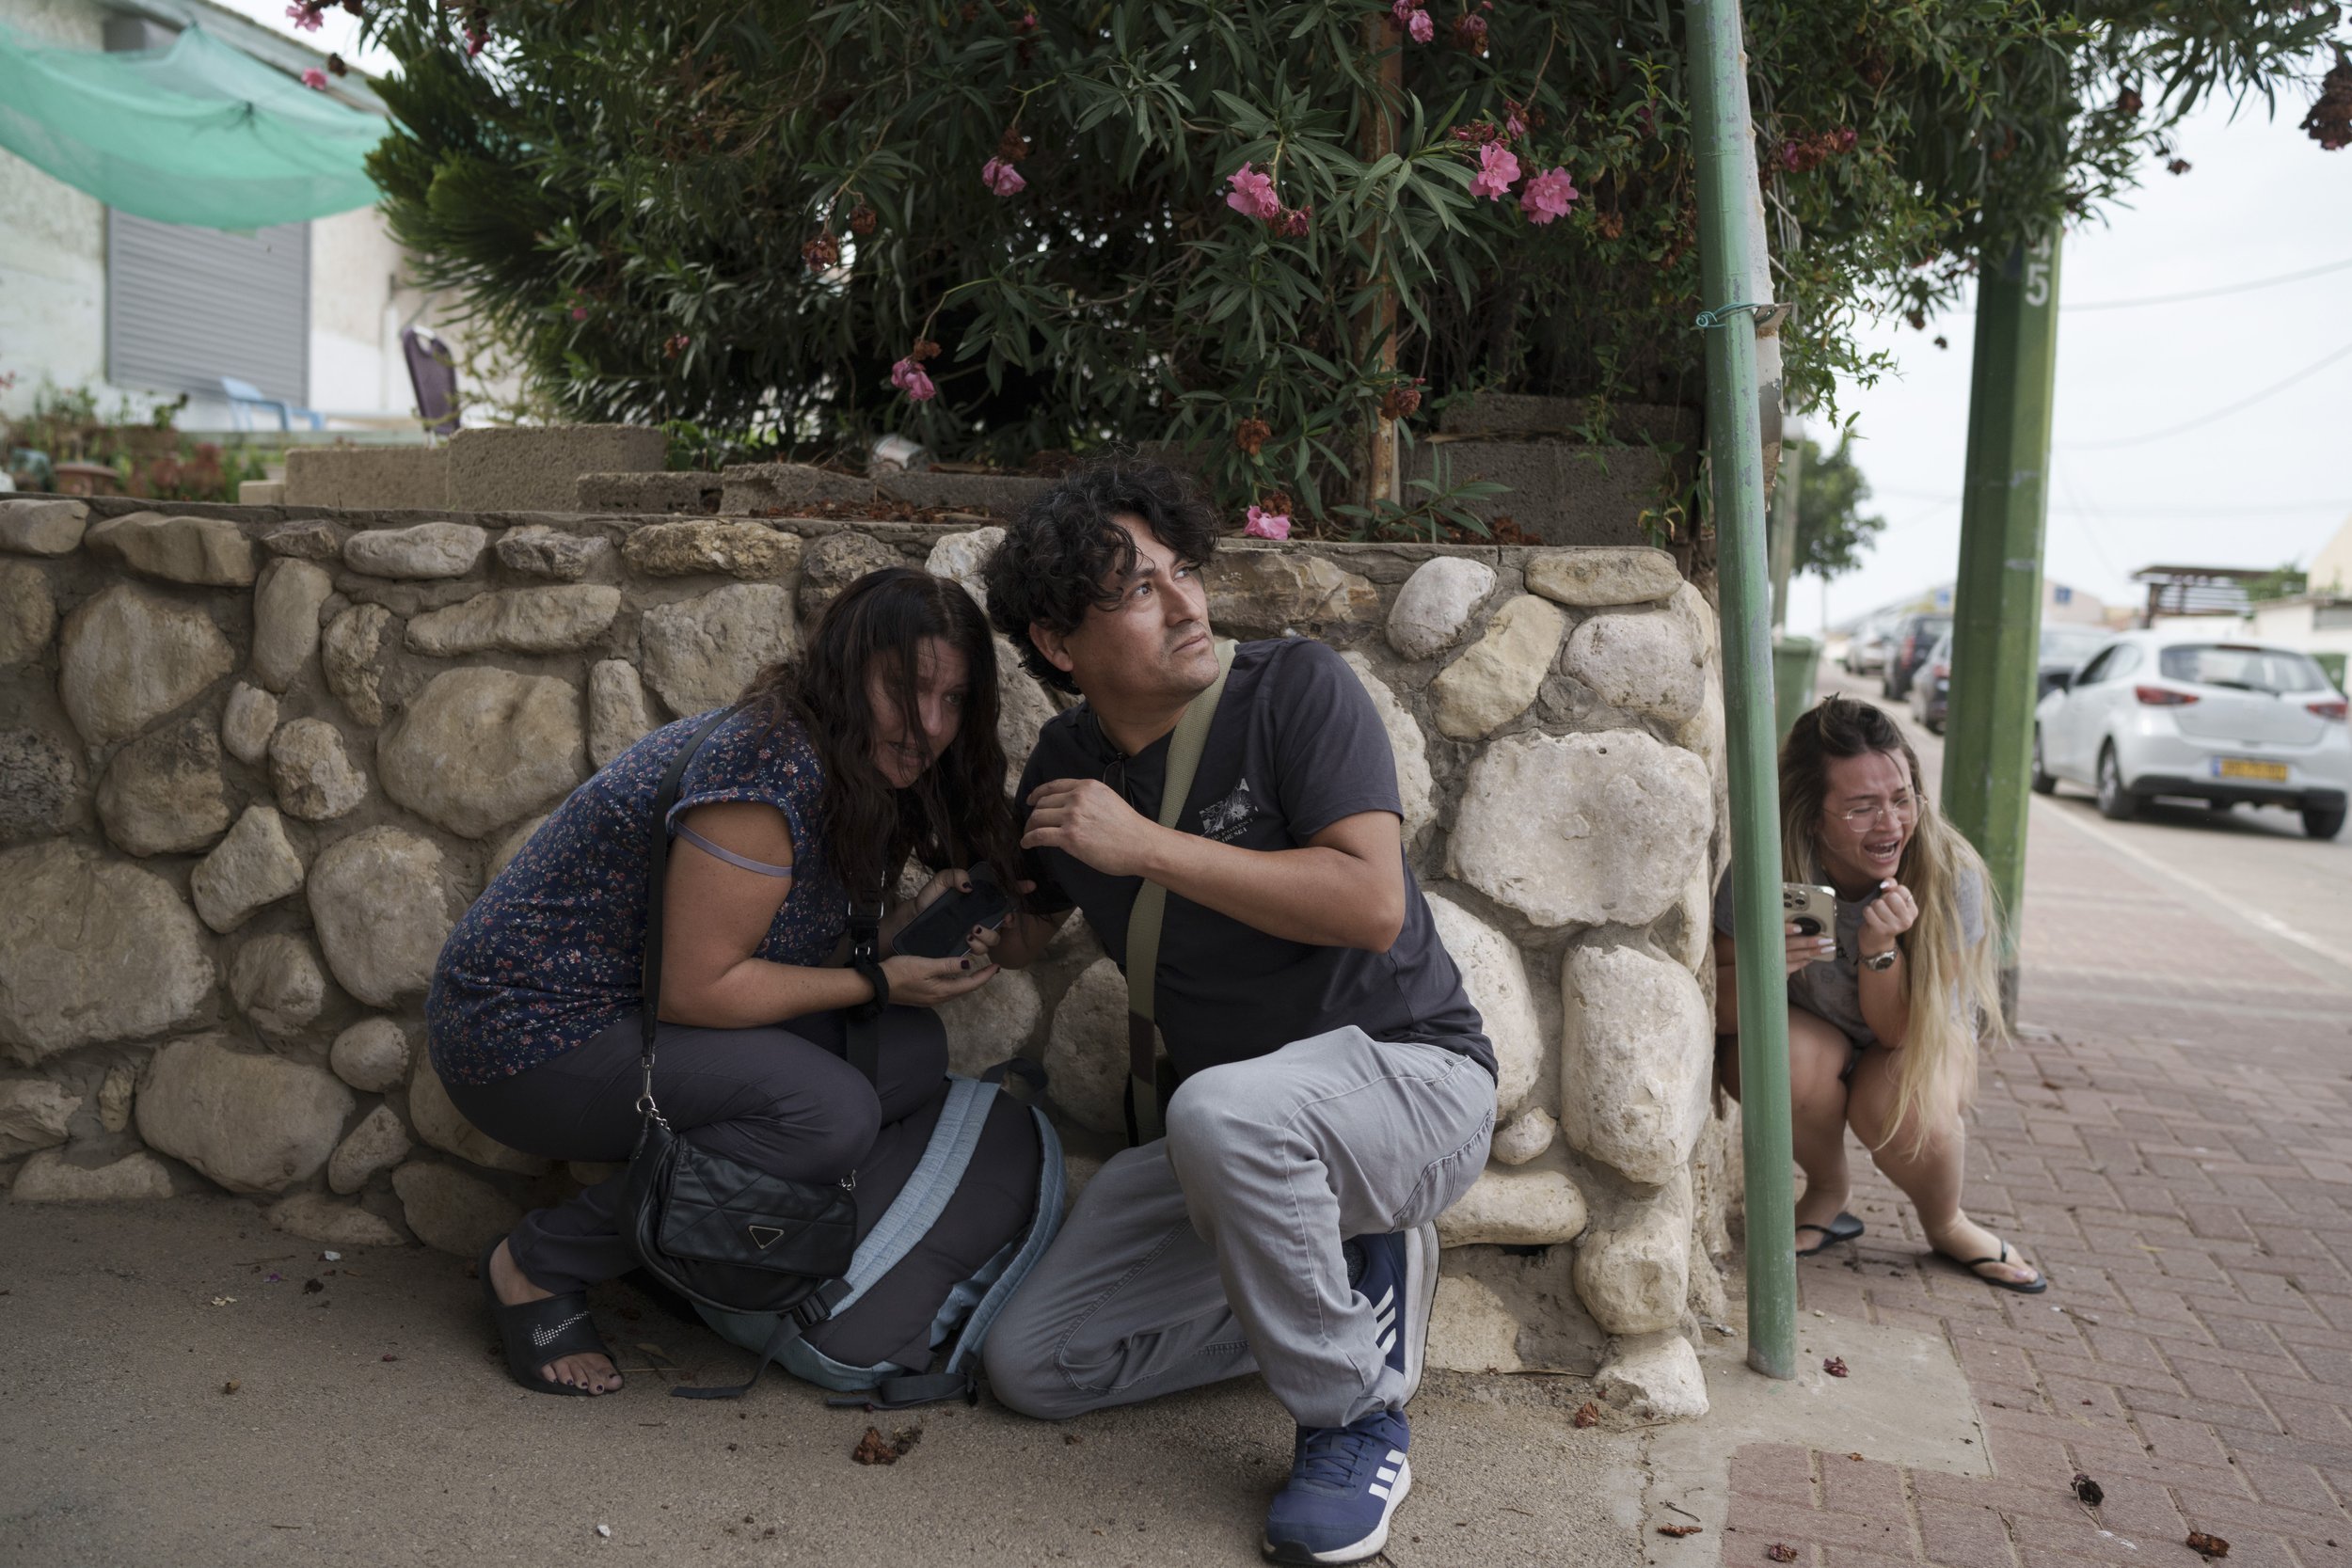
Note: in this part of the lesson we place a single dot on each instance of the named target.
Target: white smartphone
(1813, 909)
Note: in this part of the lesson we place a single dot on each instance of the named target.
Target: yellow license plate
(2245, 768)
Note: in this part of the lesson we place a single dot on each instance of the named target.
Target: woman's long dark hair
(955, 813)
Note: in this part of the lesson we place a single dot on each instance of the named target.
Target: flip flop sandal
(538, 1332)
(2040, 1282)
(1845, 1227)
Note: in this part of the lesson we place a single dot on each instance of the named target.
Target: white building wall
(52, 284)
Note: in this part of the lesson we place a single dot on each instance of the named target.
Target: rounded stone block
(382, 910)
(370, 1055)
(32, 1115)
(253, 868)
(987, 1026)
(28, 616)
(1581, 829)
(518, 621)
(31, 527)
(617, 717)
(275, 980)
(286, 619)
(833, 563)
(129, 657)
(1086, 1049)
(452, 1211)
(377, 1145)
(1635, 1275)
(439, 1122)
(741, 549)
(1637, 1055)
(1592, 577)
(211, 551)
(1416, 788)
(1534, 1206)
(699, 654)
(964, 557)
(1268, 592)
(1525, 1135)
(1495, 976)
(1496, 680)
(549, 552)
(246, 723)
(313, 776)
(427, 550)
(163, 793)
(316, 1217)
(93, 950)
(1649, 663)
(1654, 1377)
(351, 657)
(480, 748)
(1436, 603)
(49, 1178)
(253, 1123)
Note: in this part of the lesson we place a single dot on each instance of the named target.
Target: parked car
(1932, 685)
(1911, 640)
(2176, 713)
(1866, 650)
(2065, 650)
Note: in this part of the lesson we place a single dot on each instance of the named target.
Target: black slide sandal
(1845, 1227)
(2040, 1282)
(538, 1332)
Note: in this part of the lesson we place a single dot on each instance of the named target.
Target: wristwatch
(1881, 960)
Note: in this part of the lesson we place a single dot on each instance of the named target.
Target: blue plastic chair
(244, 397)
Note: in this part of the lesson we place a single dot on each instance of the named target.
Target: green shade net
(195, 133)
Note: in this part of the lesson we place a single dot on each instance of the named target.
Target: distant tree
(1832, 531)
(2284, 584)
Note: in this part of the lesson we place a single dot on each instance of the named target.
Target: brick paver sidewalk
(2171, 1139)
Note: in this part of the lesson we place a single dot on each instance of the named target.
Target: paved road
(2171, 1137)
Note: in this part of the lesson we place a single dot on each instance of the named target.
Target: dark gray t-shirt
(1831, 990)
(1296, 745)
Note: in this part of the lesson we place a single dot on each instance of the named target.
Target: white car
(1865, 649)
(2177, 713)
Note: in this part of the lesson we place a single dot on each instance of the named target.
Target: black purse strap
(657, 879)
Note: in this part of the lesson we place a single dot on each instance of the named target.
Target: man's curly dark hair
(1054, 560)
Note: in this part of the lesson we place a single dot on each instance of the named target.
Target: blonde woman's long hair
(1952, 984)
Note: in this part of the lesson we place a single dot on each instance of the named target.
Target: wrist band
(872, 974)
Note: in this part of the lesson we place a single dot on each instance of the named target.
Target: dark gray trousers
(782, 1099)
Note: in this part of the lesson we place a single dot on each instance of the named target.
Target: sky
(2261, 487)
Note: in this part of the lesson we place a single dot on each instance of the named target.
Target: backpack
(944, 1241)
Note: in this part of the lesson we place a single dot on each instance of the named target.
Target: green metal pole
(1996, 610)
(1725, 145)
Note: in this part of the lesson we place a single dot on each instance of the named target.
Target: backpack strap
(920, 1202)
(954, 1380)
(1146, 1103)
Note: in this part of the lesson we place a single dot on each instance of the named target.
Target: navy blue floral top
(550, 955)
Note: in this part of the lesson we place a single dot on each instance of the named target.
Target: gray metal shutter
(185, 307)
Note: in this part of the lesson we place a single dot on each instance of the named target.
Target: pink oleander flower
(909, 378)
(1251, 195)
(1514, 118)
(1547, 196)
(1404, 10)
(1296, 221)
(579, 312)
(314, 79)
(1421, 28)
(1002, 178)
(1497, 166)
(1266, 525)
(305, 17)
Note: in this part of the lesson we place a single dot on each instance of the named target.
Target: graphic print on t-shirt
(1226, 820)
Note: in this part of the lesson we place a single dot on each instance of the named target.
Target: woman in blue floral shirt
(880, 742)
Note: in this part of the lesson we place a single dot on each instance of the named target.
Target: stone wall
(255, 760)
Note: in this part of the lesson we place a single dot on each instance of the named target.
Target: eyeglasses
(1903, 808)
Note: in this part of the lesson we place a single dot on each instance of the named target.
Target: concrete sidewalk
(2171, 1140)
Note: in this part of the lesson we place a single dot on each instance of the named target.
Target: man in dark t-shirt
(1336, 1090)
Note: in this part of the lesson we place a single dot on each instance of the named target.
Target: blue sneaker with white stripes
(1346, 1483)
(1397, 1273)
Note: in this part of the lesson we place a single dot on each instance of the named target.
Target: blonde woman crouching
(1885, 1014)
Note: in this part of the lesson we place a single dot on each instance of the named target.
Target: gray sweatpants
(1216, 1250)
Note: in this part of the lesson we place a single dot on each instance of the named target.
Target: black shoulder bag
(715, 1231)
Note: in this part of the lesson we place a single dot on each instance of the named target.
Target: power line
(2210, 293)
(2243, 403)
